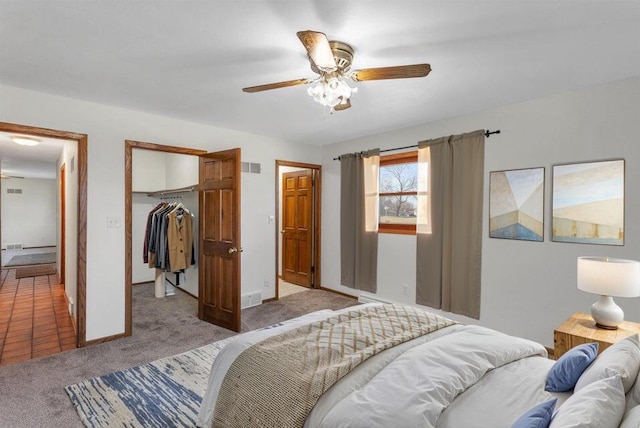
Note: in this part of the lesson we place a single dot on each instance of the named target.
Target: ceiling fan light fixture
(331, 91)
(25, 141)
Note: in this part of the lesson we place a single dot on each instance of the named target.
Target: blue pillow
(567, 370)
(538, 416)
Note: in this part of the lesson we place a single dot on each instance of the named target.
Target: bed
(381, 365)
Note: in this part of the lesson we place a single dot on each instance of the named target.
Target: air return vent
(16, 191)
(250, 167)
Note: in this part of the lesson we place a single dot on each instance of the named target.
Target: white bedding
(414, 388)
(502, 396)
(421, 382)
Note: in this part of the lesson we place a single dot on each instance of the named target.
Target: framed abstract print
(516, 204)
(588, 202)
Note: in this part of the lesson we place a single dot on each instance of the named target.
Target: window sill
(397, 230)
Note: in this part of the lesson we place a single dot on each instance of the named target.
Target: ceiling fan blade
(399, 72)
(277, 85)
(317, 45)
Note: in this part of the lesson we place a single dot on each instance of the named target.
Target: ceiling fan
(332, 61)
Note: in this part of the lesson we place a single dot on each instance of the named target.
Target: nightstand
(580, 328)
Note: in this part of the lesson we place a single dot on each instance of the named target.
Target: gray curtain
(359, 220)
(449, 251)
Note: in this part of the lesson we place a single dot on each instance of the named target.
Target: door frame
(63, 221)
(129, 145)
(82, 168)
(317, 220)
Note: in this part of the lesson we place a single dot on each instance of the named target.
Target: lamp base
(606, 327)
(606, 313)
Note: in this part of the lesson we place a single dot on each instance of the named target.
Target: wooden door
(219, 238)
(297, 227)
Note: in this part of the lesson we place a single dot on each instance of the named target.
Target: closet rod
(174, 191)
(486, 134)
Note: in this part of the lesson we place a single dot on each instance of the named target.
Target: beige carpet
(36, 270)
(32, 393)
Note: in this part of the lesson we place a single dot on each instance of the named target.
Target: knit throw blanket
(276, 383)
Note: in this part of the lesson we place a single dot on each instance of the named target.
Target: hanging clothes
(179, 238)
(169, 238)
(147, 232)
(155, 238)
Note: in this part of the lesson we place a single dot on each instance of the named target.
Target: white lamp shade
(609, 277)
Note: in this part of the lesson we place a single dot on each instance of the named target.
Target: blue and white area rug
(163, 393)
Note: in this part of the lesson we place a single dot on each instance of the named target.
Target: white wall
(528, 288)
(108, 127)
(182, 170)
(148, 170)
(29, 218)
(69, 158)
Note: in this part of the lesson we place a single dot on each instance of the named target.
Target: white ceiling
(190, 59)
(29, 161)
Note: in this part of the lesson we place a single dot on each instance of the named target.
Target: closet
(165, 184)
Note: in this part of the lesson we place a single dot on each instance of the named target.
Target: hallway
(34, 320)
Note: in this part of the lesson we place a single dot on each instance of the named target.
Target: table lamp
(608, 277)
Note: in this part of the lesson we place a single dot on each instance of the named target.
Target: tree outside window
(398, 193)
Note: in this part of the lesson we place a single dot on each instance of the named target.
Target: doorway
(218, 276)
(74, 301)
(298, 201)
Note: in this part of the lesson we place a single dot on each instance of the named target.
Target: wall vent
(16, 191)
(251, 299)
(250, 167)
(14, 246)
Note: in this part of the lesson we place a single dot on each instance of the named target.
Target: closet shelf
(186, 189)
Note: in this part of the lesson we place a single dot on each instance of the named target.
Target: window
(398, 193)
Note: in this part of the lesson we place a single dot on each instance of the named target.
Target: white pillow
(598, 405)
(623, 358)
(631, 418)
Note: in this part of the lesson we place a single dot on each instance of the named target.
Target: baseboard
(185, 291)
(337, 292)
(272, 299)
(73, 319)
(170, 282)
(104, 339)
(41, 246)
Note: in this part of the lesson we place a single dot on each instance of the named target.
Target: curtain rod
(486, 134)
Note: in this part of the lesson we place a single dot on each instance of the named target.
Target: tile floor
(286, 288)
(34, 320)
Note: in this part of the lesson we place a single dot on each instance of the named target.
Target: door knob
(234, 250)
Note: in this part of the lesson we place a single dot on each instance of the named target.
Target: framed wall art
(588, 202)
(516, 204)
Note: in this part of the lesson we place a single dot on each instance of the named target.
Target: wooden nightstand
(580, 328)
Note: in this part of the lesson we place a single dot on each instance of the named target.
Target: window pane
(398, 209)
(402, 177)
